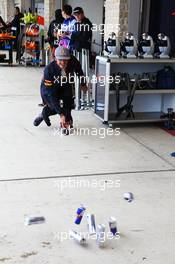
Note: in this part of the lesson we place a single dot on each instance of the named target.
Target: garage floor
(37, 166)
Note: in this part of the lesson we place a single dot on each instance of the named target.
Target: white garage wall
(58, 4)
(93, 11)
(7, 9)
(2, 10)
(134, 16)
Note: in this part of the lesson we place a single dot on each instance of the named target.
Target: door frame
(145, 16)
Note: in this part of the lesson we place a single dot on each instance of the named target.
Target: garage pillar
(7, 9)
(49, 12)
(116, 17)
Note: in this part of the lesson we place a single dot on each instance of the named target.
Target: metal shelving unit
(149, 105)
(155, 91)
(6, 46)
(29, 56)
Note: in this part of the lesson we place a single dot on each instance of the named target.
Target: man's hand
(84, 88)
(62, 121)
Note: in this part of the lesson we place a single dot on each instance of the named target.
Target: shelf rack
(149, 105)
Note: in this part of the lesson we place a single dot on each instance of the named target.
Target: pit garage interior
(47, 177)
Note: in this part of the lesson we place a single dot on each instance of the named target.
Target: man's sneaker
(47, 121)
(38, 121)
(41, 105)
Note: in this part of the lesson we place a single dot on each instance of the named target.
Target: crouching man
(57, 89)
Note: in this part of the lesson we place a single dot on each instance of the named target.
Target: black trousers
(48, 111)
(53, 106)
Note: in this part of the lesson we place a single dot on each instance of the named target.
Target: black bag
(166, 78)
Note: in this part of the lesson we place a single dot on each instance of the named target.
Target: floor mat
(171, 132)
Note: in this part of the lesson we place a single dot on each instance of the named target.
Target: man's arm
(87, 33)
(79, 72)
(50, 85)
(49, 33)
(82, 34)
(15, 22)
